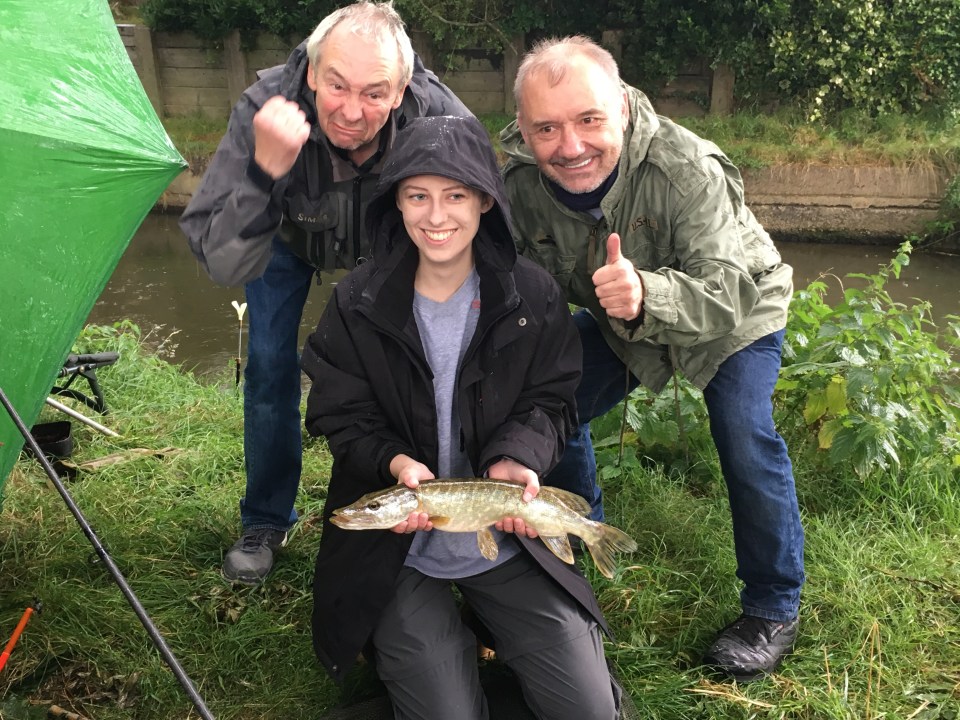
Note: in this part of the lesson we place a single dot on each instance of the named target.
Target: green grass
(750, 139)
(196, 137)
(879, 635)
(757, 140)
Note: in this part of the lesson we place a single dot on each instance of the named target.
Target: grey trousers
(427, 657)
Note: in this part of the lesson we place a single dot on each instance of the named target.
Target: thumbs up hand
(617, 284)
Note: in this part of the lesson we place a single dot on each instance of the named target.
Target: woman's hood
(455, 147)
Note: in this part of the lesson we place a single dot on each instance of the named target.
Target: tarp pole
(81, 417)
(108, 561)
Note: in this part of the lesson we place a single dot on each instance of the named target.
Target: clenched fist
(279, 131)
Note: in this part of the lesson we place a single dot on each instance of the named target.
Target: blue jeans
(602, 386)
(271, 391)
(767, 533)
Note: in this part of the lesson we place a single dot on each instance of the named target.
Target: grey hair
(372, 20)
(553, 55)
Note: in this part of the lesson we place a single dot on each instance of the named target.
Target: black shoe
(250, 559)
(750, 647)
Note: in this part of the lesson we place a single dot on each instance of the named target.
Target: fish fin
(439, 520)
(571, 501)
(609, 541)
(488, 546)
(560, 546)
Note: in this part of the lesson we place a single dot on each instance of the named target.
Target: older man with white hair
(282, 200)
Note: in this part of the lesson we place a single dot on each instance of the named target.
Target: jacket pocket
(316, 231)
(548, 256)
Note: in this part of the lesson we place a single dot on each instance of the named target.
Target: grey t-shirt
(446, 330)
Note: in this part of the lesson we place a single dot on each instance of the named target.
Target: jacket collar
(387, 298)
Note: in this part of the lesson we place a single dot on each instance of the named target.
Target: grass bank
(880, 612)
(750, 139)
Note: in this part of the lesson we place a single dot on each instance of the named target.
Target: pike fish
(474, 505)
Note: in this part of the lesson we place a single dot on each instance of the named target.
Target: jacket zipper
(357, 194)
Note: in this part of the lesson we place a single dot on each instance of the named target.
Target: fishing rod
(151, 629)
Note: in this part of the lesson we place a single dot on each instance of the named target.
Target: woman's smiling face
(442, 217)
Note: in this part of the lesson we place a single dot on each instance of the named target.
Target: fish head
(379, 510)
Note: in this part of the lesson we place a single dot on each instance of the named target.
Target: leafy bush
(661, 36)
(878, 55)
(875, 55)
(869, 384)
(213, 20)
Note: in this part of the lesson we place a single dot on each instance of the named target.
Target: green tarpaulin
(83, 158)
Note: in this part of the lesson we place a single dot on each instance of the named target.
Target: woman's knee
(570, 681)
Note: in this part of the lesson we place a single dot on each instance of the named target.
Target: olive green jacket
(713, 281)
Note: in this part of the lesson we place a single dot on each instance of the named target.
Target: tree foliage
(873, 55)
(876, 55)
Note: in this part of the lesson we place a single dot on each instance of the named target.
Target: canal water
(159, 286)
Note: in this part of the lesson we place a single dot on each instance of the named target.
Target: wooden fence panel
(207, 100)
(482, 102)
(190, 75)
(181, 40)
(474, 82)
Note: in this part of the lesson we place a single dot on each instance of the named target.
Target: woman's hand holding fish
(512, 471)
(415, 521)
(409, 472)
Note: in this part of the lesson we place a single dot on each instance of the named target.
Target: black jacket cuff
(259, 177)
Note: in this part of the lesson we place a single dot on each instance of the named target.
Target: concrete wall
(183, 74)
(873, 204)
(803, 202)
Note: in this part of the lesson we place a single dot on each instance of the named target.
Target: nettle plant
(868, 384)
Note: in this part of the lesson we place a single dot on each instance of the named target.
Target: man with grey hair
(282, 200)
(644, 226)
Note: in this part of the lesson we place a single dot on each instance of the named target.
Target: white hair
(554, 55)
(373, 20)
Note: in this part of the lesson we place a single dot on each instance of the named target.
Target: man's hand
(617, 284)
(280, 129)
(409, 472)
(512, 471)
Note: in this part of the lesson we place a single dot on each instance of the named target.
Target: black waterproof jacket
(317, 207)
(372, 393)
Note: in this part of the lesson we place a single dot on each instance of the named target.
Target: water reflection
(159, 286)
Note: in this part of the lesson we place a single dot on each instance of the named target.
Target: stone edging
(872, 204)
(878, 204)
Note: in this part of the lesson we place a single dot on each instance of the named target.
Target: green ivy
(873, 55)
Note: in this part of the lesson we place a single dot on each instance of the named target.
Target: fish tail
(605, 542)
